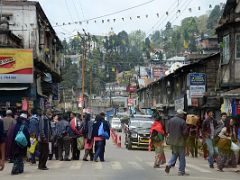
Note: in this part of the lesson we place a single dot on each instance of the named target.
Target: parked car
(116, 124)
(138, 134)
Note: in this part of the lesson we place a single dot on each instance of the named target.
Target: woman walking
(19, 150)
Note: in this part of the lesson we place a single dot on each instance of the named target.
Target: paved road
(120, 164)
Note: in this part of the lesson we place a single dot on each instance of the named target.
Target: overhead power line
(113, 13)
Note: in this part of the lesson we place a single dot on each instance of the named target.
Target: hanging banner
(16, 66)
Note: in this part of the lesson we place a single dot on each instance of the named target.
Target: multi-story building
(27, 28)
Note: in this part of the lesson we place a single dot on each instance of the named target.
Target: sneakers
(167, 169)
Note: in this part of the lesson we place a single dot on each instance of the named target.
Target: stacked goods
(192, 119)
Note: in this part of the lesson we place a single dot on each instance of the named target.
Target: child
(33, 149)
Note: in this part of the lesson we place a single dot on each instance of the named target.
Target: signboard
(197, 85)
(197, 79)
(16, 66)
(158, 72)
(197, 91)
(179, 104)
(131, 88)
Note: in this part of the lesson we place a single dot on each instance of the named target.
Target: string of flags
(96, 20)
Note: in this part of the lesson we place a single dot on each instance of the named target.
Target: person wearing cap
(44, 138)
(177, 132)
(8, 121)
(19, 152)
(208, 131)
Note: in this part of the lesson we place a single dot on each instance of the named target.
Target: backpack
(102, 133)
(20, 138)
(156, 136)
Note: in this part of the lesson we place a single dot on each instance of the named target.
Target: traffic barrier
(119, 141)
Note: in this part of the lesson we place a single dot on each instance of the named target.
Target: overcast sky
(65, 11)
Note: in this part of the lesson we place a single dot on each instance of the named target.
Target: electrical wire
(113, 13)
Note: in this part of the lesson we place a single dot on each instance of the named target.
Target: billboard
(16, 66)
(197, 85)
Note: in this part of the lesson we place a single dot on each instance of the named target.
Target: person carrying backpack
(157, 140)
(20, 142)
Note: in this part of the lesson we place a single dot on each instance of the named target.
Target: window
(237, 48)
(226, 53)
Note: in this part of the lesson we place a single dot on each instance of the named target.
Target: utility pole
(91, 88)
(83, 75)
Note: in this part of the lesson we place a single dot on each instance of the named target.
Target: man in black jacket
(177, 132)
(45, 134)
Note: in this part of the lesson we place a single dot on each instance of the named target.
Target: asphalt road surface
(120, 164)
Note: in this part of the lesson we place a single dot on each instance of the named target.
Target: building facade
(30, 29)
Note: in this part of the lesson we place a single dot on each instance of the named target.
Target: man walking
(45, 134)
(177, 131)
(63, 139)
(8, 121)
(208, 130)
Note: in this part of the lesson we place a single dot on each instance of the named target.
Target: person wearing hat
(177, 132)
(19, 152)
(8, 121)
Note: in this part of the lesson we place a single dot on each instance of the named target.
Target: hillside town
(70, 89)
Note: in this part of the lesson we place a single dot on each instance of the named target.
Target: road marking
(150, 163)
(76, 166)
(139, 159)
(98, 165)
(198, 168)
(116, 165)
(135, 165)
(57, 165)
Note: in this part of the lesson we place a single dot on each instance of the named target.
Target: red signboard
(131, 88)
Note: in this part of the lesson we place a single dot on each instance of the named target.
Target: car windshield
(141, 124)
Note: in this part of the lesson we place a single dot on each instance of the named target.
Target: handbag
(234, 147)
(80, 143)
(224, 144)
(20, 138)
(103, 133)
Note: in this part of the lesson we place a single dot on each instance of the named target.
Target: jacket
(15, 148)
(62, 128)
(177, 130)
(34, 125)
(88, 127)
(44, 129)
(76, 127)
(7, 123)
(97, 124)
(206, 127)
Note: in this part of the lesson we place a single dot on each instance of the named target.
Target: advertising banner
(197, 85)
(16, 66)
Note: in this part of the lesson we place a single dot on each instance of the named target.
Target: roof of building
(180, 70)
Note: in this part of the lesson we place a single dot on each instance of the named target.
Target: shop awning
(231, 93)
(13, 88)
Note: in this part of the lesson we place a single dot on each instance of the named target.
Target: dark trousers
(18, 166)
(63, 144)
(43, 157)
(54, 150)
(88, 152)
(75, 151)
(99, 150)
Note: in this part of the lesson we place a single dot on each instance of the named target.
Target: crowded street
(121, 164)
(119, 89)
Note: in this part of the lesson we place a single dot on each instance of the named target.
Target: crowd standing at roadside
(45, 136)
(219, 139)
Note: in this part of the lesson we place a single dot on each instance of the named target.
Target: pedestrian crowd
(219, 140)
(37, 136)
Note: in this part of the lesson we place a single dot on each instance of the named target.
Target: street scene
(110, 89)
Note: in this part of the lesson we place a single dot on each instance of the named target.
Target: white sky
(64, 11)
